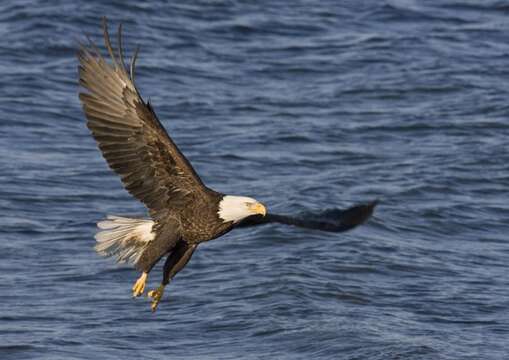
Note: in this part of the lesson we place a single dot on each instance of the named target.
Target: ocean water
(305, 105)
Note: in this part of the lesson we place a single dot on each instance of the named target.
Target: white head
(236, 208)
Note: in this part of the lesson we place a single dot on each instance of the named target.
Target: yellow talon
(156, 296)
(139, 285)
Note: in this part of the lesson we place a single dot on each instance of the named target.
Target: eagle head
(237, 208)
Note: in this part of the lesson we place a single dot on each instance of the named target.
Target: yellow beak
(258, 208)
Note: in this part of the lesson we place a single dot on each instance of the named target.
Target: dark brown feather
(168, 235)
(130, 136)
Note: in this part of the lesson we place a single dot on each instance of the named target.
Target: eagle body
(183, 211)
(201, 222)
(206, 226)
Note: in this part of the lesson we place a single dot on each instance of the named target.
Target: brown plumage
(183, 211)
(152, 168)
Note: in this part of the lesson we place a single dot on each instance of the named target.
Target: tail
(124, 238)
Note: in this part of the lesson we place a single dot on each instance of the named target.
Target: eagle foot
(156, 296)
(139, 285)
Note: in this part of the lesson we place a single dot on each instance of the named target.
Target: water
(305, 106)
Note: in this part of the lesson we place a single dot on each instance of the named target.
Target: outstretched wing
(131, 138)
(335, 220)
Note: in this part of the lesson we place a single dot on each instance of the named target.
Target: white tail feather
(123, 237)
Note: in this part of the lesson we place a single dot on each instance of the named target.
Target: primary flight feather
(184, 212)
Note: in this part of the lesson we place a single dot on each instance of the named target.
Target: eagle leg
(174, 263)
(139, 285)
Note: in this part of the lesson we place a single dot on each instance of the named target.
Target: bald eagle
(183, 211)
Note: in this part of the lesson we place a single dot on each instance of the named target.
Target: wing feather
(131, 138)
(334, 220)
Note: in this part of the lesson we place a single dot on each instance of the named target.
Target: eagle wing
(131, 138)
(334, 220)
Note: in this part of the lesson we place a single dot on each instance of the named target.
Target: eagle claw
(139, 285)
(156, 296)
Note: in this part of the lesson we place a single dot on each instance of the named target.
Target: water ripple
(305, 107)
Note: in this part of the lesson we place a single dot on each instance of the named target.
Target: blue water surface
(305, 105)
